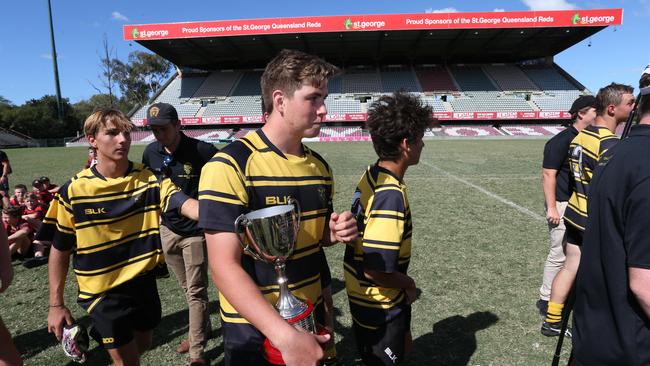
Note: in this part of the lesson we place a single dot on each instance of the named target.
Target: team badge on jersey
(322, 196)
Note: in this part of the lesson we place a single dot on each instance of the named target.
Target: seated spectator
(5, 167)
(52, 188)
(19, 233)
(20, 194)
(33, 212)
(92, 158)
(43, 194)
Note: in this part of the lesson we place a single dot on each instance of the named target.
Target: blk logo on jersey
(390, 354)
(277, 200)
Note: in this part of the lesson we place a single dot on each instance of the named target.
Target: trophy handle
(241, 225)
(296, 204)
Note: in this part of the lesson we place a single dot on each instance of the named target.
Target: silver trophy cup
(270, 235)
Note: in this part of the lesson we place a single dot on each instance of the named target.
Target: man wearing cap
(557, 183)
(52, 188)
(181, 158)
(44, 196)
(613, 105)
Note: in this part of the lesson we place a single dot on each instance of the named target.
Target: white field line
(521, 209)
(472, 176)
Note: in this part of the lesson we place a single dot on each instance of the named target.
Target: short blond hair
(101, 117)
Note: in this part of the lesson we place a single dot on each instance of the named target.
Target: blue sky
(616, 54)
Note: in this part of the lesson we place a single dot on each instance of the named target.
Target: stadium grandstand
(484, 74)
(10, 138)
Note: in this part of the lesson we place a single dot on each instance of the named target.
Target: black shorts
(573, 235)
(243, 343)
(383, 346)
(4, 187)
(325, 274)
(118, 312)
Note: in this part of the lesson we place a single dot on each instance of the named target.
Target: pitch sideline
(495, 196)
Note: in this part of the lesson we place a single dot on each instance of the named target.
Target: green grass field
(479, 245)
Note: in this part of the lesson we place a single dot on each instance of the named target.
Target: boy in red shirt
(19, 233)
(20, 195)
(33, 210)
(43, 194)
(52, 188)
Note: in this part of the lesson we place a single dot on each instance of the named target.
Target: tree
(84, 108)
(5, 107)
(141, 76)
(108, 72)
(5, 102)
(38, 118)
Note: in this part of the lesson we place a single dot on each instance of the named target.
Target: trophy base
(273, 356)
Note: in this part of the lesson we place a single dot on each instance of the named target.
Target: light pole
(59, 104)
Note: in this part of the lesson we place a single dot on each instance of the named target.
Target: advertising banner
(211, 120)
(232, 119)
(253, 119)
(383, 22)
(443, 115)
(356, 116)
(190, 120)
(506, 115)
(360, 117)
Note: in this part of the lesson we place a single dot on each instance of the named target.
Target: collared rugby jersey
(383, 217)
(250, 174)
(111, 224)
(585, 151)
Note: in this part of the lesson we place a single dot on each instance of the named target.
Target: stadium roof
(375, 39)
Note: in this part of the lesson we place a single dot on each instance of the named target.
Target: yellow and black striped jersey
(585, 151)
(250, 174)
(111, 224)
(383, 217)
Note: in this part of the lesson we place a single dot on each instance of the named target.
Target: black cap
(581, 102)
(160, 114)
(43, 179)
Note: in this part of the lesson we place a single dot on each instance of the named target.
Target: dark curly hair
(394, 118)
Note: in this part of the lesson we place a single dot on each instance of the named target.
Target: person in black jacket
(612, 309)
